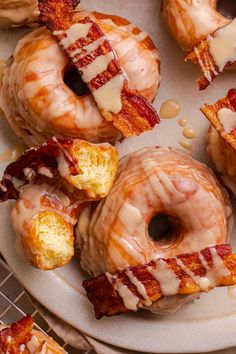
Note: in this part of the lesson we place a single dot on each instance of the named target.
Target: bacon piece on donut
(215, 53)
(211, 113)
(16, 334)
(138, 286)
(201, 55)
(79, 162)
(92, 54)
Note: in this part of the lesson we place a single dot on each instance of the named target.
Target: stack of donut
(158, 226)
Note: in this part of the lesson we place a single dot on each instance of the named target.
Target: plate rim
(205, 333)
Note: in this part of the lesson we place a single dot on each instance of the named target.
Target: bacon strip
(15, 335)
(196, 272)
(93, 56)
(201, 55)
(211, 113)
(33, 161)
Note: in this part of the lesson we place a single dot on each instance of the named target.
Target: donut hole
(73, 80)
(164, 228)
(227, 8)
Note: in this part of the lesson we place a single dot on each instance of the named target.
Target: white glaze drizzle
(130, 300)
(213, 275)
(43, 171)
(166, 277)
(33, 344)
(82, 52)
(108, 96)
(73, 33)
(98, 66)
(222, 45)
(200, 14)
(140, 287)
(227, 118)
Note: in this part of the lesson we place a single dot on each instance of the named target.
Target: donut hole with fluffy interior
(227, 8)
(165, 229)
(73, 80)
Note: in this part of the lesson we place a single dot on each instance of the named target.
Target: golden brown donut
(154, 181)
(190, 21)
(38, 104)
(46, 209)
(15, 13)
(221, 145)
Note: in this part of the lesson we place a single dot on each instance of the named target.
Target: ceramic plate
(205, 325)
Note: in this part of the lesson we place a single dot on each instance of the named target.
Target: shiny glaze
(169, 109)
(34, 84)
(149, 181)
(222, 45)
(169, 282)
(192, 20)
(223, 156)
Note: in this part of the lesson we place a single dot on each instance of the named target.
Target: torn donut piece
(88, 167)
(52, 184)
(215, 53)
(20, 337)
(135, 287)
(91, 53)
(222, 137)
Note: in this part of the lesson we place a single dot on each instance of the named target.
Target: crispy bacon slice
(36, 160)
(132, 287)
(211, 113)
(15, 335)
(93, 56)
(201, 55)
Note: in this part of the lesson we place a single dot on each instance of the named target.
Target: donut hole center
(164, 228)
(73, 80)
(227, 8)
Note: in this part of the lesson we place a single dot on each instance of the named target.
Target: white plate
(205, 325)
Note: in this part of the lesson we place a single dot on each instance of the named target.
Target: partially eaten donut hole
(73, 80)
(165, 229)
(227, 8)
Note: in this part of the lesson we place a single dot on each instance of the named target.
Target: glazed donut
(20, 337)
(38, 104)
(222, 138)
(51, 185)
(14, 13)
(154, 181)
(209, 36)
(190, 21)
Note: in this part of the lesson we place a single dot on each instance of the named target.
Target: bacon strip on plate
(137, 286)
(211, 113)
(201, 55)
(130, 113)
(16, 334)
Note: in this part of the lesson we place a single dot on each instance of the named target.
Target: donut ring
(190, 21)
(38, 105)
(221, 145)
(15, 13)
(153, 181)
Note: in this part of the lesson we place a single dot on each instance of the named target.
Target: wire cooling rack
(15, 304)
